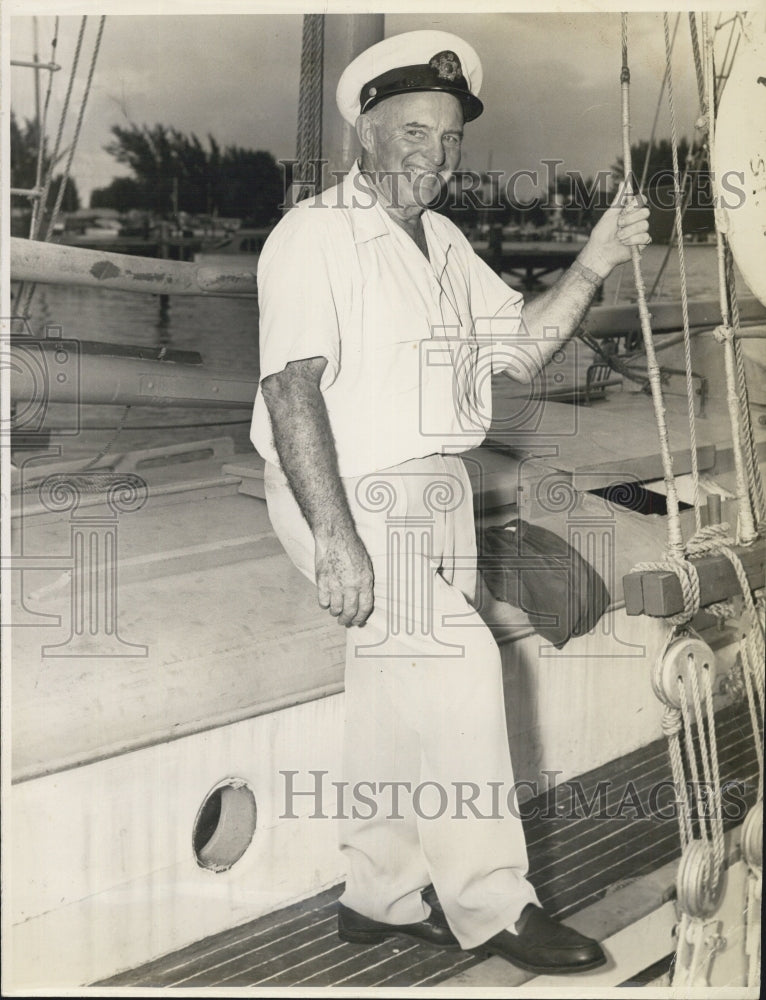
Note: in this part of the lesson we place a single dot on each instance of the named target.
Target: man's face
(415, 141)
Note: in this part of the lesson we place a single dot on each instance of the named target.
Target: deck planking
(574, 862)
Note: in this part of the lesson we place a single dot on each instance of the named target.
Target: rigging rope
(725, 333)
(754, 479)
(78, 126)
(41, 143)
(688, 697)
(309, 140)
(749, 675)
(697, 59)
(649, 147)
(694, 157)
(675, 537)
(672, 723)
(43, 200)
(682, 272)
(41, 130)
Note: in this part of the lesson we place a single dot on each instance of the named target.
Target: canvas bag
(536, 570)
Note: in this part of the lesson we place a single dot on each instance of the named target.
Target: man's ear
(365, 132)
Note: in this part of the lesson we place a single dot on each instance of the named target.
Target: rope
(747, 673)
(712, 538)
(697, 59)
(692, 757)
(756, 649)
(688, 578)
(710, 822)
(701, 866)
(725, 70)
(650, 144)
(725, 332)
(41, 123)
(709, 754)
(675, 537)
(615, 362)
(41, 130)
(78, 126)
(649, 147)
(309, 140)
(117, 431)
(671, 727)
(694, 157)
(682, 271)
(43, 200)
(693, 160)
(754, 479)
(694, 796)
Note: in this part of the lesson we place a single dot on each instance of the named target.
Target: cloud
(551, 82)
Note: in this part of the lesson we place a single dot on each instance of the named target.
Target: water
(701, 275)
(225, 333)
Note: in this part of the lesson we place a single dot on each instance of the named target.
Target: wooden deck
(576, 859)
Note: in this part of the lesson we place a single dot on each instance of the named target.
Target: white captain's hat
(411, 62)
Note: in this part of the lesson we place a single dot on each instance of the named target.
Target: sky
(551, 82)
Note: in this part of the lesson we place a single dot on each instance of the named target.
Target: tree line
(172, 171)
(24, 144)
(579, 201)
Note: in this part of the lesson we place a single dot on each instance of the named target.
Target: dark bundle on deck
(535, 570)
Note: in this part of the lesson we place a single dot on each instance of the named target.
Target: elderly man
(378, 326)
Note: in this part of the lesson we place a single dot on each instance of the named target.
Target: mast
(346, 36)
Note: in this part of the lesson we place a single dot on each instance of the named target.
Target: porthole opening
(225, 825)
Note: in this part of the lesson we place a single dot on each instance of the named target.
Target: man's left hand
(625, 224)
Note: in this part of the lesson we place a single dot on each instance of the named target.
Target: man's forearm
(306, 449)
(555, 316)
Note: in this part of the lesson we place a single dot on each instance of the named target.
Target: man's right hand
(306, 449)
(344, 577)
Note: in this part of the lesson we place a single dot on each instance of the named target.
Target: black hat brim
(471, 105)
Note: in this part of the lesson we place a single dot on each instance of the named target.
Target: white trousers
(425, 728)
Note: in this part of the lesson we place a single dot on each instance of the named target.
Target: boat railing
(122, 379)
(56, 263)
(90, 374)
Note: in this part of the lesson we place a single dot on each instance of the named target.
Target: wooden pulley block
(752, 837)
(683, 655)
(699, 892)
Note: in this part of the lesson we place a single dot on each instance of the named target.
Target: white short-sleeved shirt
(410, 343)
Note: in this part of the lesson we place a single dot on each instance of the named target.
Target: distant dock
(178, 247)
(530, 261)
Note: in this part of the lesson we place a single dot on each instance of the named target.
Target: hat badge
(447, 65)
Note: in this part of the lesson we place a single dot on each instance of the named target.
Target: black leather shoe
(544, 946)
(356, 929)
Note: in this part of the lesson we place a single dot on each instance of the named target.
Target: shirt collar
(368, 218)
